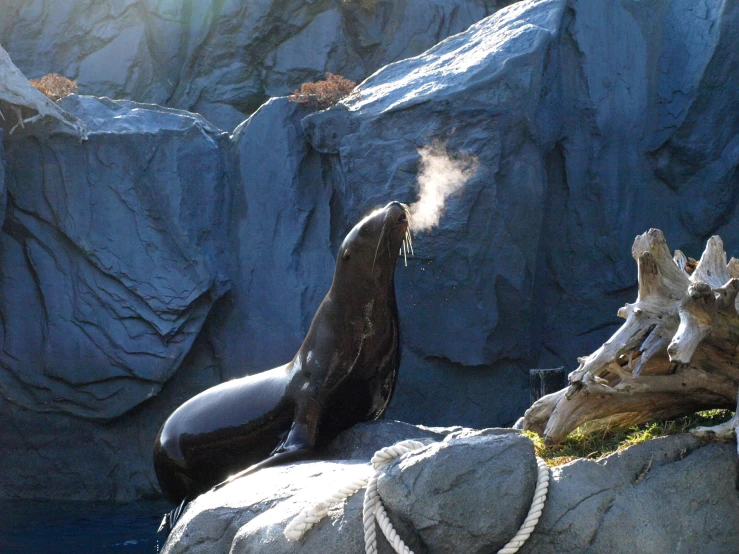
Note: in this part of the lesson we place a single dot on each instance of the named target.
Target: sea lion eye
(346, 254)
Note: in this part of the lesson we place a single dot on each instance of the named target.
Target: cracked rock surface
(108, 263)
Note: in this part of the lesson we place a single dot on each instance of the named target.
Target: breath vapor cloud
(439, 176)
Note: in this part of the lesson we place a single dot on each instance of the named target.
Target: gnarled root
(675, 354)
(723, 431)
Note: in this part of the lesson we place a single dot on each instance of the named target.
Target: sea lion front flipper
(300, 440)
(290, 449)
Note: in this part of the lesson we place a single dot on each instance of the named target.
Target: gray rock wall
(585, 138)
(281, 226)
(52, 455)
(221, 59)
(633, 141)
(109, 256)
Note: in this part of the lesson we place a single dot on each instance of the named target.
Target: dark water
(52, 527)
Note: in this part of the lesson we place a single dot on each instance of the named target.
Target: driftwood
(17, 94)
(675, 354)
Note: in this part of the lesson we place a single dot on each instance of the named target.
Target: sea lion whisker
(405, 257)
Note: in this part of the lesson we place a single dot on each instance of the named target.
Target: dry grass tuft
(597, 445)
(54, 86)
(324, 94)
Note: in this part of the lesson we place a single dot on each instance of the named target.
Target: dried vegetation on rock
(324, 94)
(54, 86)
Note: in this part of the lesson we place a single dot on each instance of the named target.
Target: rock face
(222, 59)
(281, 225)
(3, 189)
(109, 256)
(471, 491)
(532, 258)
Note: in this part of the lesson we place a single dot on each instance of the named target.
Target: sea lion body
(344, 373)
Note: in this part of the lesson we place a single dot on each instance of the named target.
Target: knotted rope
(373, 510)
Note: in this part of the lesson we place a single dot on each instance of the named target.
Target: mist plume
(439, 176)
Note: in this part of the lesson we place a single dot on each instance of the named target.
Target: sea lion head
(372, 246)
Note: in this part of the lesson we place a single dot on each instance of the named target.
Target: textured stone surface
(280, 220)
(632, 140)
(221, 59)
(471, 491)
(109, 256)
(57, 456)
(665, 496)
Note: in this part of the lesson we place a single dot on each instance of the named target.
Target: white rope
(373, 510)
(311, 515)
(308, 517)
(537, 505)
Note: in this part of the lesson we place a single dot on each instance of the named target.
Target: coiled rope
(373, 510)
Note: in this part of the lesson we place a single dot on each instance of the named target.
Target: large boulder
(222, 59)
(664, 496)
(109, 258)
(471, 490)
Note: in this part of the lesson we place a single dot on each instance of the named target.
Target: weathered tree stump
(676, 353)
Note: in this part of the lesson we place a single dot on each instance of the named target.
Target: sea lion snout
(397, 212)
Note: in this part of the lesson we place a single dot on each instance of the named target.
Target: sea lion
(344, 373)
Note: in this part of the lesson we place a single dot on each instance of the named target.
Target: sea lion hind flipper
(170, 518)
